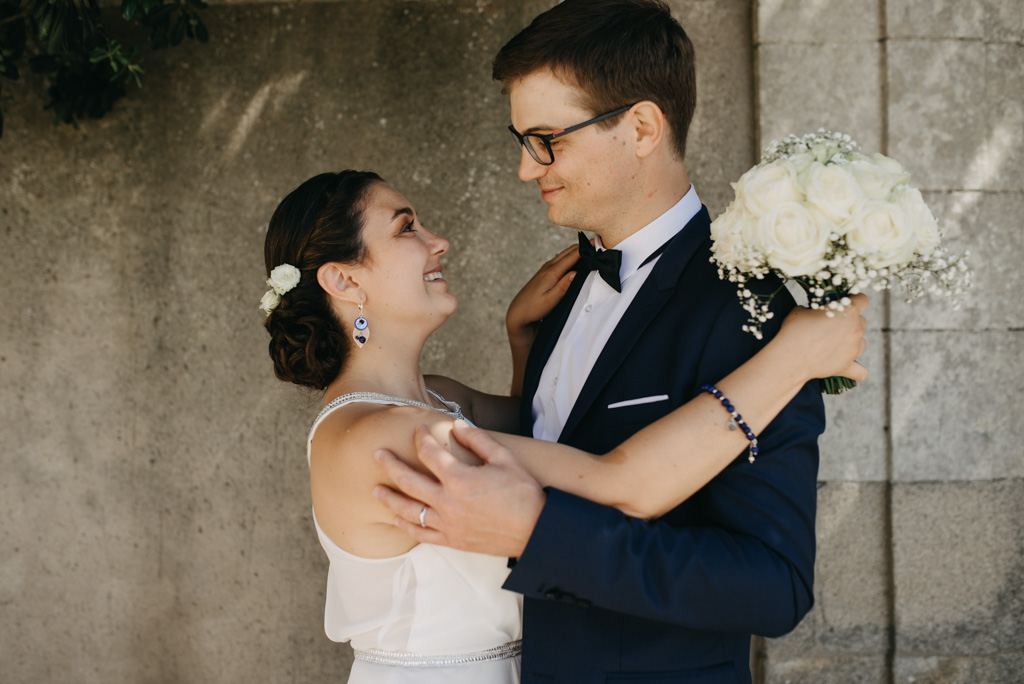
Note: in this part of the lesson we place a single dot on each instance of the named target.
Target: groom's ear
(339, 283)
(649, 126)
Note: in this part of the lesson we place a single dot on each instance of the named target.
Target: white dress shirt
(594, 316)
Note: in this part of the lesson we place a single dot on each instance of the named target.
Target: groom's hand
(489, 508)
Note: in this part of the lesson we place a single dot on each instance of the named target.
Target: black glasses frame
(546, 138)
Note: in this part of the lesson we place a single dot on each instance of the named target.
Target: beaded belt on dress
(407, 659)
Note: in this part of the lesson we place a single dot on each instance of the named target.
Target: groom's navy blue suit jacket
(617, 599)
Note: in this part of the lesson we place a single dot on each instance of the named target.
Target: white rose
(284, 278)
(802, 163)
(920, 218)
(764, 187)
(892, 167)
(877, 177)
(822, 152)
(834, 192)
(793, 239)
(269, 301)
(882, 235)
(729, 247)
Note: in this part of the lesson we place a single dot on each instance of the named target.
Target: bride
(357, 288)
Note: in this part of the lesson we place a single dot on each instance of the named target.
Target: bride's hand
(828, 346)
(540, 295)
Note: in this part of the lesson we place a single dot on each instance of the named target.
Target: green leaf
(46, 23)
(128, 8)
(56, 40)
(89, 33)
(201, 32)
(178, 32)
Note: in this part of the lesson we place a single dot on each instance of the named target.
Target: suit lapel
(652, 297)
(540, 352)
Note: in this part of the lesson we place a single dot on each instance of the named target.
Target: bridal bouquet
(836, 222)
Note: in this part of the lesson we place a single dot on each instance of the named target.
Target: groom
(602, 93)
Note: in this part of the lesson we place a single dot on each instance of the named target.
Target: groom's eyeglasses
(539, 144)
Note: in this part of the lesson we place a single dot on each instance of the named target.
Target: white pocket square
(641, 400)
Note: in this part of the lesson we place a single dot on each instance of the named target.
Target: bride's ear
(338, 282)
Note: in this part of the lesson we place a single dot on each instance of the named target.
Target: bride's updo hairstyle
(319, 222)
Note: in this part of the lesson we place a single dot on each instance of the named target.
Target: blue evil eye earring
(361, 329)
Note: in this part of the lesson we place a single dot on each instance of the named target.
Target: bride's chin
(454, 305)
(448, 314)
(438, 317)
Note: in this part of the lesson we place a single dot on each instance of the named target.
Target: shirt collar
(642, 244)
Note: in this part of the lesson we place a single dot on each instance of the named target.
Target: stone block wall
(155, 506)
(921, 561)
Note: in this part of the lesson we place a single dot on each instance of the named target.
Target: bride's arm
(535, 301)
(666, 462)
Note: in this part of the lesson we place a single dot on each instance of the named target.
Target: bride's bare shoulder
(343, 473)
(350, 435)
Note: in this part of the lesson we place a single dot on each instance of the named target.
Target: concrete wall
(155, 507)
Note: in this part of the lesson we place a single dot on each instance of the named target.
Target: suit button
(559, 595)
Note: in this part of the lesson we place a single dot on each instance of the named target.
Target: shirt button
(588, 308)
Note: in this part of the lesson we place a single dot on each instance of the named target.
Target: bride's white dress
(432, 614)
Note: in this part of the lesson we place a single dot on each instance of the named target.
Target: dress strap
(451, 409)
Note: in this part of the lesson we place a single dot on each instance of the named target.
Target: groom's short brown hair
(616, 52)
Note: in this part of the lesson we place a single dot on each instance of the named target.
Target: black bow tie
(606, 262)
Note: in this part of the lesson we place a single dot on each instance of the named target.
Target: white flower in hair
(284, 278)
(269, 302)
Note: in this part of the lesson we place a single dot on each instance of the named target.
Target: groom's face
(588, 182)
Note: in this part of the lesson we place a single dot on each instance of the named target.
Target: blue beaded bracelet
(737, 419)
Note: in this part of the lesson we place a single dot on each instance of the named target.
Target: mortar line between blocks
(887, 504)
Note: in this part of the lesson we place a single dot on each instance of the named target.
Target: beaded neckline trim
(407, 659)
(453, 409)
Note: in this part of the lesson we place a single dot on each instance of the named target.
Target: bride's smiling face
(401, 275)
